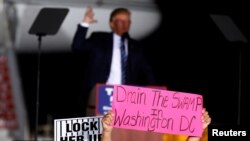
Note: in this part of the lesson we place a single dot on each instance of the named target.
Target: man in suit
(104, 55)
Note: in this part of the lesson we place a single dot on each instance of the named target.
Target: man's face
(120, 23)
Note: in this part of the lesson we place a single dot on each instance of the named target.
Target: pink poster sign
(157, 110)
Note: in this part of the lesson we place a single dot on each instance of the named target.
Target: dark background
(188, 53)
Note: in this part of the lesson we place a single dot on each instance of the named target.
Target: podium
(100, 100)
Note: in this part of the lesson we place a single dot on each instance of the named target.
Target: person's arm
(107, 126)
(79, 41)
(206, 120)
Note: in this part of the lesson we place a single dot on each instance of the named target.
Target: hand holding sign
(107, 122)
(206, 120)
(107, 126)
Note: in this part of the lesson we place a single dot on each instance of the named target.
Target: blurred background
(199, 48)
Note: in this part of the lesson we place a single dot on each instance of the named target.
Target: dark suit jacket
(99, 48)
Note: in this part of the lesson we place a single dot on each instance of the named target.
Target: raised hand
(89, 16)
(206, 120)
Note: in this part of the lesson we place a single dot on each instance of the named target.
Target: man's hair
(118, 11)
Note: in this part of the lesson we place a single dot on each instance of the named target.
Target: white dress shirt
(115, 76)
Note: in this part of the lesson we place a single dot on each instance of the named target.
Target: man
(113, 58)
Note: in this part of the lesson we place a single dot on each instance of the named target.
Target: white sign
(78, 129)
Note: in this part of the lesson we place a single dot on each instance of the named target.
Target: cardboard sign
(157, 110)
(78, 129)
